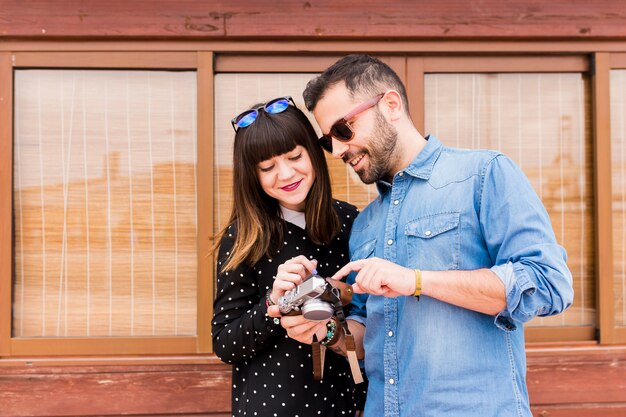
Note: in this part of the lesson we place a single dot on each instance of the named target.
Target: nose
(339, 148)
(285, 170)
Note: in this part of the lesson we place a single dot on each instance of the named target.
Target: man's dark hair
(362, 74)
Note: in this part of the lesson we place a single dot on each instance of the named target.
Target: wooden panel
(298, 64)
(336, 46)
(581, 380)
(604, 228)
(31, 364)
(290, 63)
(579, 410)
(315, 18)
(115, 390)
(6, 200)
(205, 200)
(618, 61)
(415, 92)
(102, 346)
(562, 334)
(577, 376)
(112, 59)
(510, 64)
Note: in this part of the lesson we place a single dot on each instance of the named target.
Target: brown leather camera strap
(318, 353)
(350, 344)
(353, 360)
(345, 290)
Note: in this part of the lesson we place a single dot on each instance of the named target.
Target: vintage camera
(315, 298)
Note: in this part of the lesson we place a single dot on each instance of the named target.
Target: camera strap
(319, 350)
(318, 353)
(350, 344)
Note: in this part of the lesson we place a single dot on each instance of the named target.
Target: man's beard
(381, 151)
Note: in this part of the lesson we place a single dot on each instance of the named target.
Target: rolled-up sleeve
(521, 241)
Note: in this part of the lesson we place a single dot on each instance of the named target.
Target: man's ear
(393, 103)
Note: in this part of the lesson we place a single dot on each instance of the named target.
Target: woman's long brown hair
(255, 215)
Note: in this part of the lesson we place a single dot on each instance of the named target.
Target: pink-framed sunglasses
(341, 129)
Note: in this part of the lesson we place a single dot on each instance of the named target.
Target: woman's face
(288, 178)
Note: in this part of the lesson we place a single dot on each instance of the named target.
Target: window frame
(202, 63)
(603, 63)
(475, 63)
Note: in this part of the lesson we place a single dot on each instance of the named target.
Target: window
(104, 203)
(108, 200)
(541, 120)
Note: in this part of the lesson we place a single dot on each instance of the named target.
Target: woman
(284, 225)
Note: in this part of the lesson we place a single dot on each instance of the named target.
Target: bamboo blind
(104, 203)
(542, 122)
(618, 146)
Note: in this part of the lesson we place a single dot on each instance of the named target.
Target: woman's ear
(393, 103)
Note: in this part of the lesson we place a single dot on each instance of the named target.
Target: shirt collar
(296, 217)
(422, 166)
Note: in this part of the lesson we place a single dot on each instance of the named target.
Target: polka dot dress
(273, 374)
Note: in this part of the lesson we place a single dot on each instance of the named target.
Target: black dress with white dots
(272, 373)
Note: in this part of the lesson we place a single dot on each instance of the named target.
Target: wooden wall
(319, 19)
(579, 380)
(147, 387)
(563, 382)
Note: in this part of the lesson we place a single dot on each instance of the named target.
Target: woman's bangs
(273, 135)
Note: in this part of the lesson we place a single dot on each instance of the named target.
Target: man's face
(371, 149)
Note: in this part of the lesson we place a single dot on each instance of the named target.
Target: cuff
(516, 282)
(271, 323)
(358, 319)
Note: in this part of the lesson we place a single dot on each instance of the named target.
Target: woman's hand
(291, 274)
(299, 328)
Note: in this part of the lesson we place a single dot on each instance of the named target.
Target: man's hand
(379, 277)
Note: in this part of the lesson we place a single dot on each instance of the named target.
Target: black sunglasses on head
(341, 129)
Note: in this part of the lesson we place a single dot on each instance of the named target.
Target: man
(455, 254)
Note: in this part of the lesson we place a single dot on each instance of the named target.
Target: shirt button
(390, 242)
(396, 202)
(390, 333)
(392, 381)
(401, 174)
(428, 233)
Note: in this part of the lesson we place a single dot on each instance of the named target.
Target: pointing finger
(355, 266)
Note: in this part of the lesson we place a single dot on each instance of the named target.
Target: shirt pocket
(433, 241)
(366, 250)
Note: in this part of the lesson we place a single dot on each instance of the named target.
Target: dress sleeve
(521, 241)
(240, 325)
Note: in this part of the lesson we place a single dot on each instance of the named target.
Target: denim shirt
(455, 209)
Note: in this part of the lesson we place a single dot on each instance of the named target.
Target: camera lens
(317, 310)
